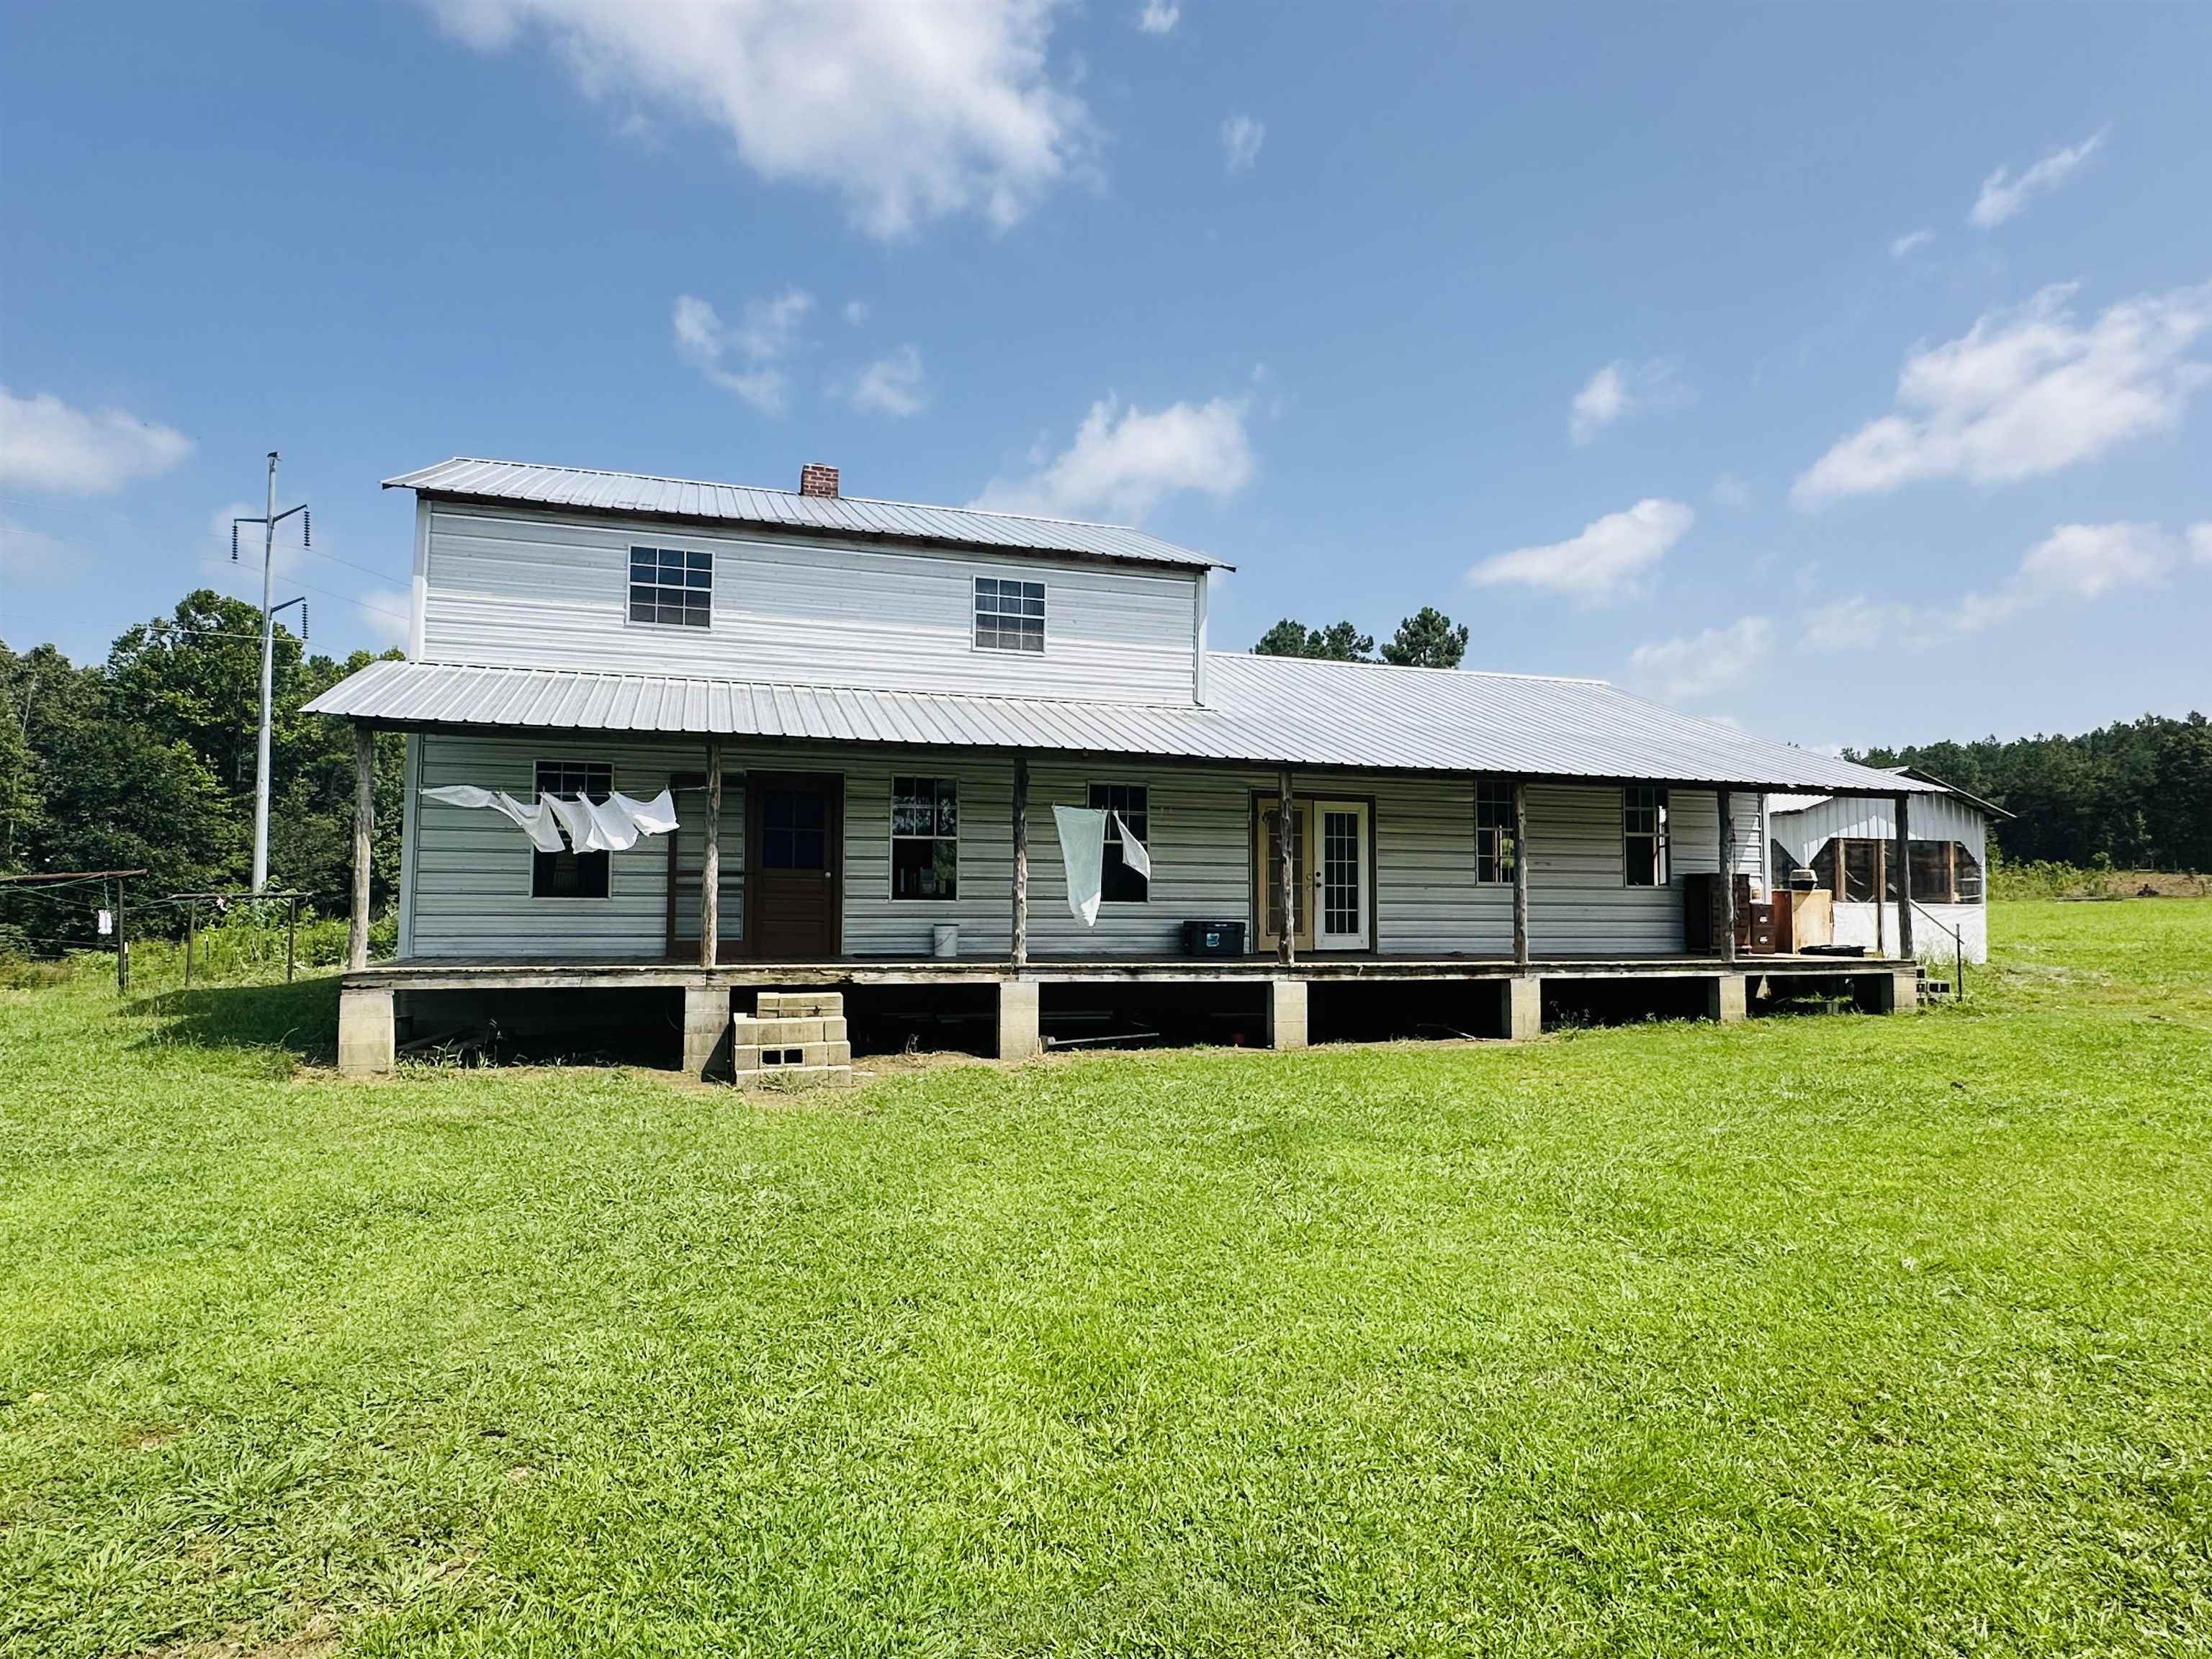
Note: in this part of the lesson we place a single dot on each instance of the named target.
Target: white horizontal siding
(1875, 926)
(504, 588)
(469, 891)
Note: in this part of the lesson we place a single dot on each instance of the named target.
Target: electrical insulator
(234, 541)
(303, 622)
(306, 528)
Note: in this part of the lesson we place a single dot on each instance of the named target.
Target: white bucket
(944, 939)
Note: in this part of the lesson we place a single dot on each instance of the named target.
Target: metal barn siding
(507, 590)
(1804, 831)
(591, 489)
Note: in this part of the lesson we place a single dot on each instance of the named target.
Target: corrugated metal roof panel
(586, 488)
(1264, 710)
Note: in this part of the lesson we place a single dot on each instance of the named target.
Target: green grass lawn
(1815, 1334)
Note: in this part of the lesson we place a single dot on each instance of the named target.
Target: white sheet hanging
(1083, 855)
(1133, 850)
(535, 820)
(612, 825)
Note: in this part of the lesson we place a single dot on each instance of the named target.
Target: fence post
(291, 933)
(191, 934)
(122, 941)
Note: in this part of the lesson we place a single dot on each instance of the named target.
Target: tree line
(145, 761)
(2135, 795)
(1427, 639)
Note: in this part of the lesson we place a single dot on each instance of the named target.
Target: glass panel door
(1341, 880)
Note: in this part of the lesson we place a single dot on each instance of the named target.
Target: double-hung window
(569, 873)
(1494, 851)
(1009, 615)
(1644, 836)
(1131, 803)
(669, 585)
(924, 838)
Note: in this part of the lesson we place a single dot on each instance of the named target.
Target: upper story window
(1644, 836)
(668, 585)
(1493, 832)
(1131, 803)
(569, 873)
(1009, 615)
(924, 838)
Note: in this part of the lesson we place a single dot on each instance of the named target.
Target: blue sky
(1841, 371)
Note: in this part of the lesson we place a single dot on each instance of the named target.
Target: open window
(569, 873)
(1493, 832)
(1644, 836)
(1131, 803)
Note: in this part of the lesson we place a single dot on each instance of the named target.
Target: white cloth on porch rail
(1083, 855)
(612, 825)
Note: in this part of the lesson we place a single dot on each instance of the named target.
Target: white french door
(1343, 903)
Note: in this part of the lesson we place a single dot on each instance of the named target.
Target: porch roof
(1270, 711)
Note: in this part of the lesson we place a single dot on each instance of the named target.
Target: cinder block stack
(794, 1037)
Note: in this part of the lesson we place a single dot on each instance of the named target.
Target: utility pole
(269, 611)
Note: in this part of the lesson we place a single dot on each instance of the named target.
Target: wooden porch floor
(458, 973)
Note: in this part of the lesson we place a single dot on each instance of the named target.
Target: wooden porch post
(364, 822)
(1521, 873)
(1904, 852)
(1021, 862)
(1728, 878)
(1286, 942)
(710, 861)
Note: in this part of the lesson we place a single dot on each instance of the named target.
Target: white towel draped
(1083, 855)
(1133, 850)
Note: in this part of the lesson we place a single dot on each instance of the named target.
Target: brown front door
(794, 865)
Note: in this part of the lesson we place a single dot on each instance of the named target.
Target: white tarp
(612, 825)
(1083, 853)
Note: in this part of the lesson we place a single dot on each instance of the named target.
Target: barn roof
(1259, 710)
(638, 494)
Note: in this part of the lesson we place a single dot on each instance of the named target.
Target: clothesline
(612, 825)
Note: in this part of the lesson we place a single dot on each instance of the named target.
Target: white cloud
(856, 311)
(1158, 16)
(1622, 388)
(2200, 543)
(744, 358)
(893, 385)
(1702, 665)
(1903, 245)
(2076, 562)
(2001, 196)
(44, 444)
(1241, 138)
(2024, 391)
(909, 111)
(1730, 491)
(1609, 558)
(1124, 459)
(384, 613)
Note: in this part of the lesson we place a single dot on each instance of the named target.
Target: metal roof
(587, 489)
(1263, 710)
(1936, 785)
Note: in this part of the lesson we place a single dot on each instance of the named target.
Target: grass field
(1815, 1334)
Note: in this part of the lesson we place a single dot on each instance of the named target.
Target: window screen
(1493, 832)
(1644, 837)
(569, 873)
(924, 838)
(668, 585)
(1009, 615)
(1121, 885)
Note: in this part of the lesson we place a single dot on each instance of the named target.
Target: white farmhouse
(865, 714)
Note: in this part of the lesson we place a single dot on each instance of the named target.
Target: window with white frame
(924, 838)
(1494, 851)
(1644, 836)
(669, 585)
(569, 873)
(1009, 615)
(1131, 803)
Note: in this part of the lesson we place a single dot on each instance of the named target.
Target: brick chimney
(815, 479)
